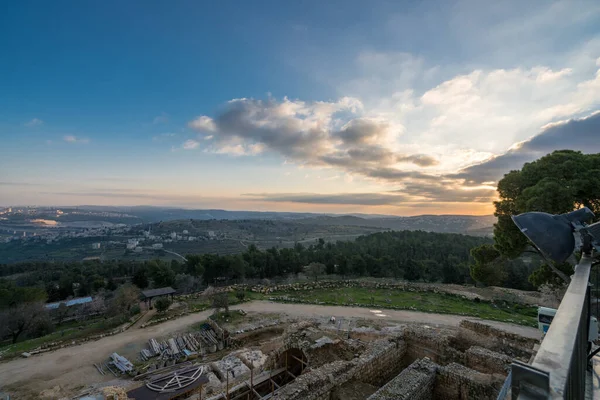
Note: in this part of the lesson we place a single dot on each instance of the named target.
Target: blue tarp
(69, 303)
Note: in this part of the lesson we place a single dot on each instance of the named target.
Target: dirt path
(72, 367)
(308, 310)
(145, 318)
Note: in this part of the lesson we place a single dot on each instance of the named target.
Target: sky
(389, 107)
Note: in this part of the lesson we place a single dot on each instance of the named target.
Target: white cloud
(75, 139)
(203, 123)
(161, 119)
(163, 136)
(190, 144)
(34, 122)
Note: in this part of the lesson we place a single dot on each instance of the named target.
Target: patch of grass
(232, 317)
(66, 332)
(418, 301)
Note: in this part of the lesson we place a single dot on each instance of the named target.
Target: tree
(140, 278)
(162, 274)
(162, 304)
(432, 270)
(557, 183)
(11, 295)
(412, 271)
(220, 300)
(185, 283)
(123, 299)
(61, 312)
(488, 267)
(193, 265)
(21, 318)
(315, 269)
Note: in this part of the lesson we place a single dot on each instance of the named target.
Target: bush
(162, 304)
(135, 309)
(240, 294)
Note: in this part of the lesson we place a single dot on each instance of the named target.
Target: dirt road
(72, 368)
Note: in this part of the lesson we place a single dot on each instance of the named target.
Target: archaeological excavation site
(316, 359)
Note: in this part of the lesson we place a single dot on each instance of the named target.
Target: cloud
(203, 123)
(318, 134)
(191, 144)
(448, 192)
(163, 136)
(428, 128)
(575, 134)
(163, 118)
(19, 184)
(34, 122)
(75, 139)
(411, 193)
(366, 199)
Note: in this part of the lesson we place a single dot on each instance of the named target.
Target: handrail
(559, 367)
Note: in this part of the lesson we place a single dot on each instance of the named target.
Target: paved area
(72, 367)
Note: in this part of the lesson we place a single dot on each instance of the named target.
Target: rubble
(230, 366)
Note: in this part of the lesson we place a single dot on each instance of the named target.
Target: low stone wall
(380, 363)
(414, 383)
(478, 334)
(455, 381)
(488, 330)
(316, 384)
(435, 344)
(487, 361)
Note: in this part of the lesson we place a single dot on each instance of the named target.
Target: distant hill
(479, 225)
(467, 224)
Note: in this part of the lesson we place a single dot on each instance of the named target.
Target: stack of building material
(121, 363)
(154, 346)
(173, 347)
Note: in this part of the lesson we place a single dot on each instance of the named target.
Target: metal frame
(176, 380)
(559, 367)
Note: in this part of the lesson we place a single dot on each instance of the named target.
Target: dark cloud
(393, 174)
(576, 134)
(365, 199)
(361, 131)
(443, 192)
(305, 133)
(412, 193)
(19, 184)
(421, 160)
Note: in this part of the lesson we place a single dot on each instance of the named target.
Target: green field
(417, 301)
(65, 332)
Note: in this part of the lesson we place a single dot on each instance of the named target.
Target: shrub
(135, 309)
(162, 304)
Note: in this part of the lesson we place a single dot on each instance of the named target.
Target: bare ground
(72, 368)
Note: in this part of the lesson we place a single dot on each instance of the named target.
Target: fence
(559, 368)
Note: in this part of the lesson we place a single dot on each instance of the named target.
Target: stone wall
(455, 381)
(487, 361)
(435, 344)
(415, 383)
(477, 334)
(380, 362)
(490, 331)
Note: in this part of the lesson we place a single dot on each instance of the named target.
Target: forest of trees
(410, 255)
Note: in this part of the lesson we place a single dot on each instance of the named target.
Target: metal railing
(559, 367)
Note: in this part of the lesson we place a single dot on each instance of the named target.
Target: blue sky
(390, 107)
